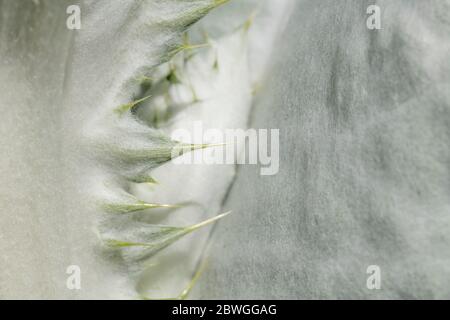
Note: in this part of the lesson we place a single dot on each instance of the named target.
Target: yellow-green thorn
(133, 207)
(128, 106)
(207, 222)
(184, 47)
(187, 290)
(185, 293)
(186, 230)
(183, 148)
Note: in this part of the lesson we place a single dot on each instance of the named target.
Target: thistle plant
(93, 183)
(161, 93)
(93, 186)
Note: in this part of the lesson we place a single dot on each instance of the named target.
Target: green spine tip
(184, 47)
(183, 148)
(128, 106)
(207, 222)
(194, 146)
(184, 231)
(185, 293)
(133, 207)
(187, 290)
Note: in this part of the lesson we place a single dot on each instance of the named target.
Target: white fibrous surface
(77, 144)
(98, 125)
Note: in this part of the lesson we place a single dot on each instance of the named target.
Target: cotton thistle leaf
(144, 240)
(132, 150)
(96, 72)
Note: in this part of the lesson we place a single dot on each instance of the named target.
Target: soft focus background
(364, 179)
(364, 119)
